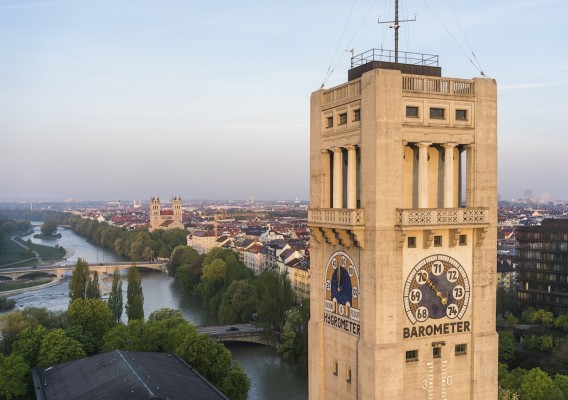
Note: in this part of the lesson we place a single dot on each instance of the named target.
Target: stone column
(423, 174)
(351, 177)
(325, 179)
(469, 175)
(337, 178)
(449, 194)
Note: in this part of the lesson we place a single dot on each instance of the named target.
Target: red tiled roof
(167, 223)
(166, 212)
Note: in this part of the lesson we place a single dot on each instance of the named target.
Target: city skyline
(126, 100)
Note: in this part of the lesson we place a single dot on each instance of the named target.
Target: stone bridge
(60, 270)
(239, 333)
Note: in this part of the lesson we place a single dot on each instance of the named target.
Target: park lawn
(47, 253)
(11, 252)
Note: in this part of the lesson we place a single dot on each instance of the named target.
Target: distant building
(165, 219)
(202, 241)
(543, 266)
(507, 273)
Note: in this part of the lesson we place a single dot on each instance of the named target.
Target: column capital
(325, 151)
(336, 149)
(351, 147)
(423, 144)
(449, 145)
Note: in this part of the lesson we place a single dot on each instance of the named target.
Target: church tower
(403, 197)
(155, 219)
(176, 208)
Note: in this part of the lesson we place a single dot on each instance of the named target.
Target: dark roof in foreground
(123, 375)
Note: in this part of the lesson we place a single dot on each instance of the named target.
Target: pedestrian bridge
(60, 270)
(239, 333)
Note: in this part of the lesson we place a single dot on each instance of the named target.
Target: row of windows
(460, 350)
(541, 266)
(563, 246)
(342, 118)
(542, 255)
(437, 241)
(542, 297)
(523, 236)
(435, 113)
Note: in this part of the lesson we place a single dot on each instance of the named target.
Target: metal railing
(404, 57)
(443, 216)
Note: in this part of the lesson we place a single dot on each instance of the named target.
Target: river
(271, 377)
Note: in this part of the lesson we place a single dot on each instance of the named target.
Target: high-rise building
(543, 266)
(403, 218)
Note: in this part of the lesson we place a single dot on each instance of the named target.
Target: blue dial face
(437, 287)
(341, 294)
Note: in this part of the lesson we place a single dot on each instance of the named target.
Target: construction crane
(216, 217)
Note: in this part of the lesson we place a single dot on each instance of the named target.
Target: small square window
(330, 122)
(463, 240)
(437, 113)
(437, 352)
(342, 119)
(437, 241)
(411, 242)
(356, 115)
(412, 355)
(461, 349)
(411, 112)
(461, 115)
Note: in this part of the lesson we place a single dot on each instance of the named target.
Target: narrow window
(335, 368)
(437, 352)
(411, 242)
(437, 241)
(437, 113)
(463, 240)
(412, 355)
(411, 112)
(330, 122)
(343, 119)
(348, 377)
(461, 115)
(356, 115)
(461, 349)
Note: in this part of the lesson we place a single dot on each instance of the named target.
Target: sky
(129, 99)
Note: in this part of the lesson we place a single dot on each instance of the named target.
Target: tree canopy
(134, 295)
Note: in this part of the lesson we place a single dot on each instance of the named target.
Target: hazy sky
(126, 99)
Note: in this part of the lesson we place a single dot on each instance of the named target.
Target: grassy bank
(11, 252)
(47, 253)
(22, 284)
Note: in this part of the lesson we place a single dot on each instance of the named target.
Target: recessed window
(437, 352)
(335, 368)
(461, 349)
(463, 240)
(437, 241)
(461, 115)
(342, 119)
(437, 113)
(356, 115)
(411, 112)
(411, 241)
(330, 122)
(412, 355)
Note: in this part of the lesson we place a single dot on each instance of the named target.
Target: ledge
(442, 217)
(337, 225)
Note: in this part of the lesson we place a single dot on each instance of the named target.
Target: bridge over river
(239, 333)
(60, 269)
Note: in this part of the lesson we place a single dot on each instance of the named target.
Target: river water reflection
(271, 377)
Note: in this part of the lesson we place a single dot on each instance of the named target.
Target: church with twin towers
(403, 197)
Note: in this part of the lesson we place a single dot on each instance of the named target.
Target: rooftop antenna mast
(396, 26)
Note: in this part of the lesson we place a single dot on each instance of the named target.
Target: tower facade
(165, 219)
(403, 215)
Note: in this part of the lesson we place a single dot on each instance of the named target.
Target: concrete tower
(403, 219)
(176, 208)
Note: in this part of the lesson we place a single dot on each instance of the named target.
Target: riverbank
(15, 292)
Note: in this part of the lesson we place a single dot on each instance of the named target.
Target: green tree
(92, 316)
(14, 376)
(507, 394)
(57, 348)
(561, 322)
(238, 303)
(79, 280)
(236, 384)
(276, 297)
(537, 385)
(29, 343)
(294, 343)
(561, 382)
(93, 290)
(48, 228)
(542, 317)
(506, 346)
(115, 302)
(148, 254)
(134, 295)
